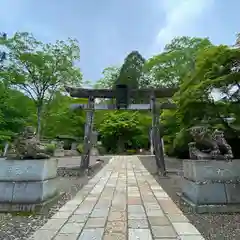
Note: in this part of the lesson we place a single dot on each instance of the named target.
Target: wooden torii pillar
(87, 145)
(156, 135)
(155, 108)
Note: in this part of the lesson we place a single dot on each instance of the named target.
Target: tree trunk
(39, 118)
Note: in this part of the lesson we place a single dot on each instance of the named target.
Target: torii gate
(123, 94)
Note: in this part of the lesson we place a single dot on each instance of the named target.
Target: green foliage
(16, 111)
(110, 76)
(178, 59)
(120, 130)
(216, 69)
(31, 85)
(61, 120)
(180, 143)
(50, 148)
(212, 69)
(131, 70)
(131, 151)
(40, 69)
(80, 148)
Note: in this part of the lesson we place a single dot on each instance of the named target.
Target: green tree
(170, 69)
(40, 69)
(16, 111)
(177, 60)
(122, 130)
(110, 75)
(216, 70)
(61, 120)
(131, 70)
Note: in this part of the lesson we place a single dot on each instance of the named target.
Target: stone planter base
(29, 207)
(210, 186)
(211, 208)
(25, 184)
(27, 192)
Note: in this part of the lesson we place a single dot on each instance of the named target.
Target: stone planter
(212, 185)
(27, 184)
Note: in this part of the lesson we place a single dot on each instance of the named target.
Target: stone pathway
(123, 201)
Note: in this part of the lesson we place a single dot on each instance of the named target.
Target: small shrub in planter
(131, 151)
(50, 148)
(80, 148)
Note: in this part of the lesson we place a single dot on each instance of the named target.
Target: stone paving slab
(122, 202)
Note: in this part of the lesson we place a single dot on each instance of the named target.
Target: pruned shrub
(50, 148)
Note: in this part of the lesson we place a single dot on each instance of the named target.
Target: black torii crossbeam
(111, 93)
(151, 94)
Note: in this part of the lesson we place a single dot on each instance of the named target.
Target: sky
(107, 30)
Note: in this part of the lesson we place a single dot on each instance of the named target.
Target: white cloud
(181, 18)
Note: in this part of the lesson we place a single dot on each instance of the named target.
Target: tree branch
(24, 88)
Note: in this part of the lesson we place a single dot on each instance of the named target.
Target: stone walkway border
(122, 202)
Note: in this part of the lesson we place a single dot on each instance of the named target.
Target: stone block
(233, 193)
(29, 207)
(211, 208)
(28, 170)
(59, 153)
(140, 234)
(27, 192)
(6, 190)
(185, 228)
(212, 193)
(95, 233)
(202, 170)
(137, 223)
(163, 232)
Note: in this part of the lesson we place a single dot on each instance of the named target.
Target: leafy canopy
(121, 130)
(177, 60)
(40, 69)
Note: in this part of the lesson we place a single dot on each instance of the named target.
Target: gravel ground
(211, 226)
(20, 227)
